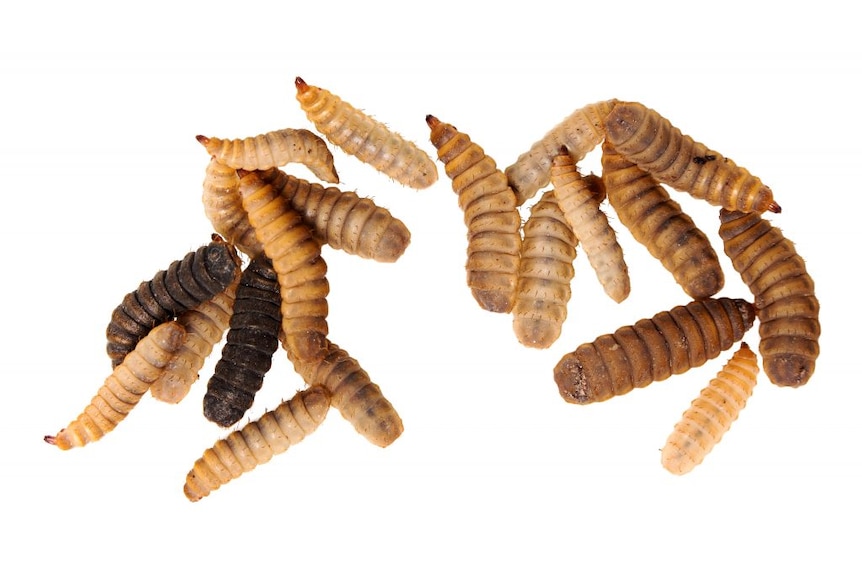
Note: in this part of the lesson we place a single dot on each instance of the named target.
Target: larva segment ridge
(366, 138)
(649, 140)
(711, 414)
(257, 442)
(123, 388)
(652, 349)
(223, 207)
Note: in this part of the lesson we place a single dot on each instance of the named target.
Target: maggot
(223, 207)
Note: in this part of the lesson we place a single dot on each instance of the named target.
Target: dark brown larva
(653, 349)
(223, 207)
(787, 308)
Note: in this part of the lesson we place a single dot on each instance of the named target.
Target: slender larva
(649, 140)
(490, 213)
(659, 223)
(275, 149)
(251, 340)
(580, 132)
(545, 274)
(711, 414)
(787, 308)
(122, 389)
(182, 286)
(577, 200)
(670, 342)
(223, 207)
(257, 442)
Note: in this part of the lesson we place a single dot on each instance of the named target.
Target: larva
(123, 388)
(711, 414)
(659, 223)
(366, 138)
(545, 274)
(577, 200)
(223, 207)
(649, 140)
(183, 285)
(580, 132)
(652, 349)
(251, 340)
(783, 291)
(257, 442)
(490, 213)
(274, 149)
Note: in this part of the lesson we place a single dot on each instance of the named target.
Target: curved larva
(787, 308)
(123, 388)
(658, 222)
(490, 213)
(223, 208)
(257, 442)
(652, 349)
(274, 149)
(580, 132)
(577, 200)
(364, 137)
(710, 416)
(545, 274)
(657, 147)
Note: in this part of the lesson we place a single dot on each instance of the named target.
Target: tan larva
(580, 132)
(223, 206)
(653, 349)
(787, 308)
(257, 442)
(710, 416)
(275, 149)
(649, 140)
(366, 138)
(577, 199)
(490, 213)
(659, 223)
(123, 389)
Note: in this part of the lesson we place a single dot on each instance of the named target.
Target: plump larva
(223, 207)
(545, 274)
(186, 283)
(251, 341)
(580, 132)
(658, 222)
(577, 200)
(123, 388)
(364, 137)
(257, 442)
(646, 138)
(274, 149)
(490, 213)
(653, 349)
(711, 414)
(787, 308)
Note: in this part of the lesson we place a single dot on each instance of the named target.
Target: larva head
(301, 86)
(441, 132)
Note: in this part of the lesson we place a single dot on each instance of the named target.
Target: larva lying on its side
(364, 137)
(710, 416)
(223, 207)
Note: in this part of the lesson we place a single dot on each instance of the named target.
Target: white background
(102, 183)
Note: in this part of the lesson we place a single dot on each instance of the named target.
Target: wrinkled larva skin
(656, 221)
(366, 138)
(787, 308)
(646, 138)
(257, 442)
(710, 416)
(492, 218)
(274, 149)
(124, 388)
(223, 206)
(652, 349)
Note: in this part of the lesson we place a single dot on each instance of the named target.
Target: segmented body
(652, 349)
(123, 388)
(787, 308)
(710, 416)
(257, 442)
(366, 138)
(223, 207)
(659, 223)
(490, 213)
(649, 140)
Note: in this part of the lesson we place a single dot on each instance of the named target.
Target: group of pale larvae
(161, 334)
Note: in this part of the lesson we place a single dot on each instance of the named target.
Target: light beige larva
(223, 207)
